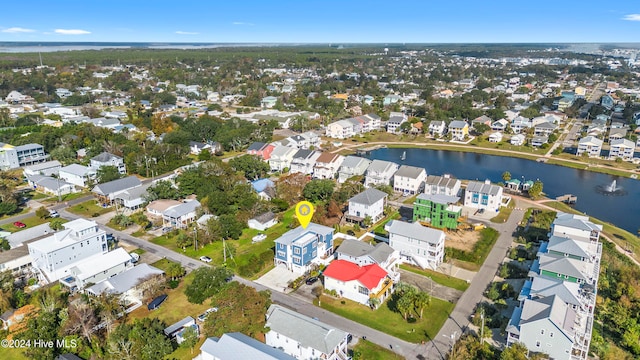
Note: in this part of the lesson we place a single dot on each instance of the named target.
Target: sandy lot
(462, 239)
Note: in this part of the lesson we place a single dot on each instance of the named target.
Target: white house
(576, 227)
(590, 145)
(303, 161)
(496, 137)
(380, 172)
(231, 346)
(396, 119)
(327, 165)
(263, 221)
(437, 128)
(517, 140)
(46, 168)
(128, 285)
(306, 140)
(180, 216)
(362, 253)
(416, 244)
(303, 337)
(369, 203)
(520, 124)
(50, 185)
(352, 166)
(358, 283)
(409, 179)
(54, 255)
(96, 268)
(107, 159)
(442, 185)
(281, 157)
(343, 129)
(106, 192)
(499, 125)
(77, 174)
(483, 195)
(622, 148)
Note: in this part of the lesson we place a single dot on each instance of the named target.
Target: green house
(438, 210)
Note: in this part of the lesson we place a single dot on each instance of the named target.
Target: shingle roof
(117, 185)
(232, 346)
(307, 331)
(447, 182)
(410, 171)
(105, 157)
(182, 209)
(356, 248)
(483, 188)
(369, 197)
(126, 280)
(354, 161)
(415, 231)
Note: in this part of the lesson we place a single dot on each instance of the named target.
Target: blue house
(300, 247)
(264, 187)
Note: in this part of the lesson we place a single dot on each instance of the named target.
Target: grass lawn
(30, 222)
(139, 251)
(89, 208)
(243, 247)
(505, 212)
(439, 278)
(185, 352)
(390, 322)
(175, 308)
(370, 351)
(410, 200)
(12, 354)
(66, 197)
(24, 210)
(478, 254)
(162, 264)
(379, 229)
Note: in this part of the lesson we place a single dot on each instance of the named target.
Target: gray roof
(43, 166)
(545, 287)
(178, 325)
(356, 248)
(256, 146)
(28, 147)
(550, 308)
(354, 161)
(415, 231)
(117, 185)
(567, 245)
(133, 194)
(126, 280)
(265, 217)
(105, 157)
(483, 188)
(576, 221)
(380, 166)
(78, 170)
(439, 198)
(566, 266)
(546, 125)
(233, 346)
(410, 171)
(280, 151)
(457, 124)
(447, 182)
(288, 237)
(303, 154)
(18, 238)
(182, 209)
(307, 331)
(369, 197)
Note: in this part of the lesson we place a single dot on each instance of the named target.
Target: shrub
(95, 214)
(173, 284)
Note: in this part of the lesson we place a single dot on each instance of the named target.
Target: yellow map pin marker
(304, 212)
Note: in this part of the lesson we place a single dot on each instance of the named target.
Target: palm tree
(506, 176)
(421, 300)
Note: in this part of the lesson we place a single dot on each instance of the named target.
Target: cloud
(16, 30)
(71, 32)
(186, 33)
(242, 23)
(632, 17)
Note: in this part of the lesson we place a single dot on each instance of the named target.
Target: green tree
(204, 155)
(318, 190)
(506, 176)
(42, 212)
(251, 166)
(64, 154)
(162, 189)
(517, 351)
(421, 300)
(107, 173)
(189, 338)
(241, 308)
(206, 283)
(404, 304)
(175, 270)
(142, 340)
(44, 327)
(56, 224)
(481, 128)
(536, 189)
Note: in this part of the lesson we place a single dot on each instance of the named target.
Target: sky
(328, 21)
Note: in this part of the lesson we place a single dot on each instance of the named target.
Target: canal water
(623, 211)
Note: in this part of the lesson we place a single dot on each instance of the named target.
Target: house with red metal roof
(358, 283)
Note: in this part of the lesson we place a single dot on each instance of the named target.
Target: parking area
(278, 279)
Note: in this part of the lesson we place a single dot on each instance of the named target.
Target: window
(296, 251)
(363, 290)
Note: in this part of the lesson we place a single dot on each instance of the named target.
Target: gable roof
(415, 231)
(448, 182)
(410, 171)
(256, 146)
(439, 198)
(126, 280)
(369, 275)
(381, 166)
(356, 248)
(290, 236)
(369, 197)
(327, 157)
(232, 346)
(182, 209)
(105, 157)
(308, 332)
(354, 161)
(483, 188)
(117, 185)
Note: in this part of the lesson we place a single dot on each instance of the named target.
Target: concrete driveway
(278, 279)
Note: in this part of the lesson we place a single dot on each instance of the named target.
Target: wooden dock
(367, 150)
(567, 199)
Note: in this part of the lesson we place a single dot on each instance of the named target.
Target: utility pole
(482, 328)
(195, 233)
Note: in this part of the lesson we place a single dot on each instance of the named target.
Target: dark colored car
(19, 224)
(157, 302)
(311, 280)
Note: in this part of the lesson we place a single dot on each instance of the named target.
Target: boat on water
(404, 156)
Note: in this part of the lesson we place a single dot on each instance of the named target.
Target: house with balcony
(307, 140)
(303, 161)
(499, 125)
(544, 129)
(352, 166)
(409, 180)
(369, 203)
(180, 216)
(589, 145)
(281, 158)
(495, 137)
(622, 148)
(483, 195)
(459, 130)
(617, 133)
(107, 192)
(96, 268)
(343, 129)
(327, 165)
(439, 211)
(47, 168)
(520, 124)
(538, 141)
(298, 249)
(303, 337)
(437, 128)
(358, 283)
(362, 253)
(12, 157)
(380, 172)
(417, 244)
(396, 119)
(444, 185)
(107, 159)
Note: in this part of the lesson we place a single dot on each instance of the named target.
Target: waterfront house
(496, 137)
(352, 166)
(437, 128)
(380, 172)
(538, 141)
(444, 185)
(589, 145)
(499, 125)
(459, 130)
(396, 119)
(483, 195)
(517, 140)
(327, 165)
(409, 180)
(622, 148)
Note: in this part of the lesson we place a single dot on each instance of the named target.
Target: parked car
(155, 303)
(259, 237)
(134, 257)
(311, 280)
(53, 214)
(205, 259)
(202, 317)
(19, 225)
(110, 237)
